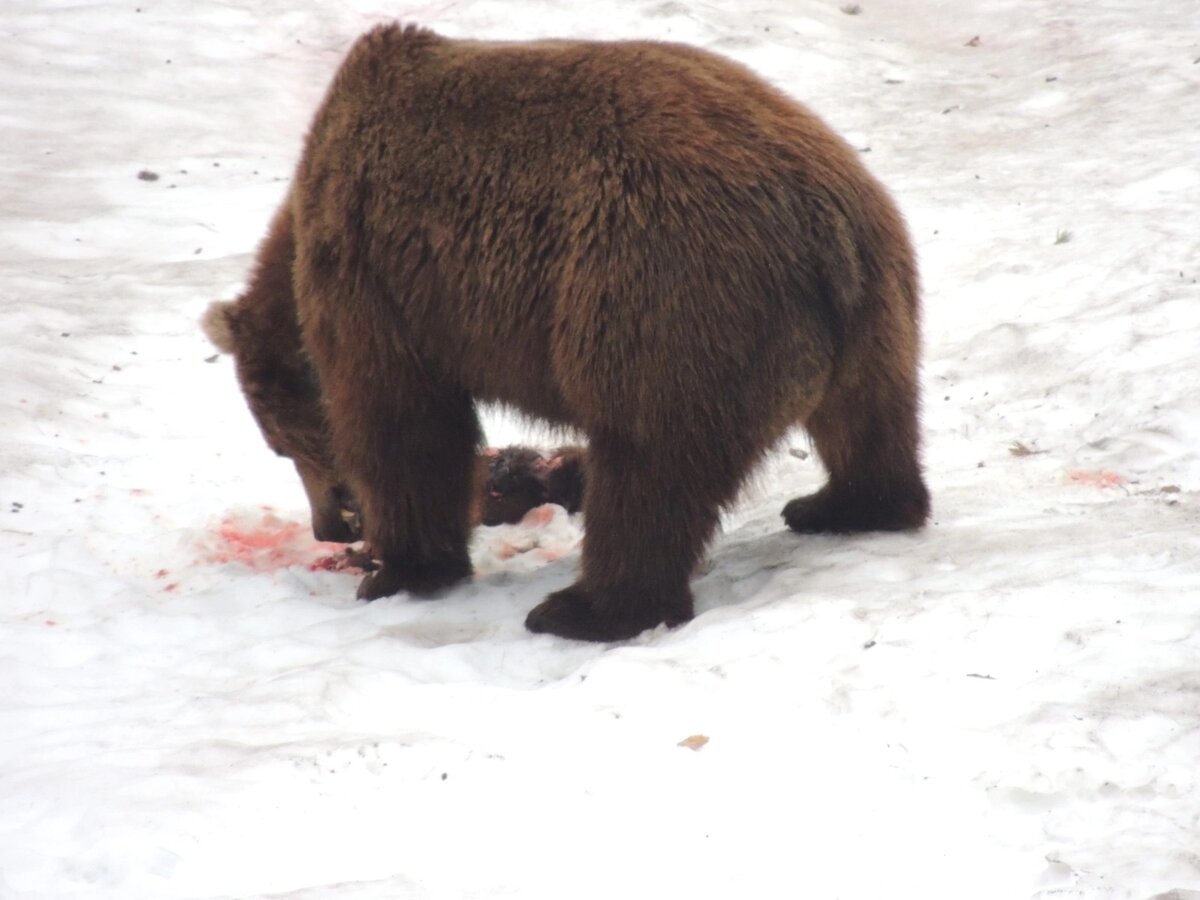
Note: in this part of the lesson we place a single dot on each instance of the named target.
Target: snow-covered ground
(1005, 705)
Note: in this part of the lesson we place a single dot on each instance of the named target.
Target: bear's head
(284, 395)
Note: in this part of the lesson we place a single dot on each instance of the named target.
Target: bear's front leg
(411, 465)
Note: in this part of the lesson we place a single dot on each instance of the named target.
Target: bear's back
(552, 202)
(665, 101)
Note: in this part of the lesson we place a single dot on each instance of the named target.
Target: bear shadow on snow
(641, 241)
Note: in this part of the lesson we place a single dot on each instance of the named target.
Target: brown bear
(641, 241)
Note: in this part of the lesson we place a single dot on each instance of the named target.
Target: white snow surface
(1004, 705)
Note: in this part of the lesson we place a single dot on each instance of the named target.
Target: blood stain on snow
(539, 515)
(270, 542)
(326, 564)
(338, 562)
(1101, 478)
(267, 544)
(509, 549)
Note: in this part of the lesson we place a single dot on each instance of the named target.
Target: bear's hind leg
(650, 512)
(866, 434)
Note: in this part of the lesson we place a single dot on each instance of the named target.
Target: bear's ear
(219, 323)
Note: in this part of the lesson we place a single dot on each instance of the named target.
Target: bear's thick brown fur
(642, 241)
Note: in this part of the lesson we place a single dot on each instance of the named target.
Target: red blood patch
(1100, 478)
(338, 562)
(267, 542)
(326, 564)
(539, 516)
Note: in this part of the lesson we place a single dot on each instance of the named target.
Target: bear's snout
(336, 526)
(336, 515)
(339, 518)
